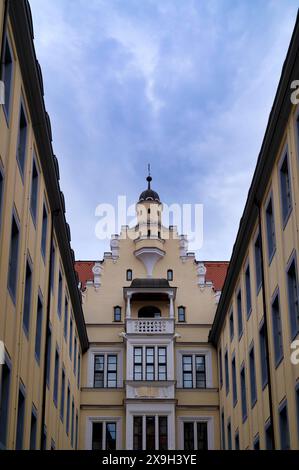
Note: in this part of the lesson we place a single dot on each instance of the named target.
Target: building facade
(42, 329)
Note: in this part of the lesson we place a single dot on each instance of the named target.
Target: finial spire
(149, 178)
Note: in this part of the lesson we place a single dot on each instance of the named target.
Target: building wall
(284, 375)
(26, 371)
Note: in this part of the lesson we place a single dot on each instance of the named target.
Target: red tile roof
(216, 272)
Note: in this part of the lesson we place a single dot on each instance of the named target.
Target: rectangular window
(150, 364)
(202, 436)
(27, 298)
(103, 436)
(137, 373)
(22, 140)
(226, 373)
(189, 436)
(7, 76)
(59, 294)
(240, 316)
(271, 239)
(187, 372)
(237, 441)
(44, 232)
(150, 433)
(222, 430)
(34, 191)
(285, 189)
(195, 436)
(163, 432)
(38, 332)
(20, 420)
(72, 423)
(162, 374)
(137, 433)
(194, 371)
(53, 256)
(13, 258)
(248, 291)
(112, 371)
(200, 371)
(68, 406)
(117, 313)
(229, 436)
(4, 404)
(293, 298)
(220, 368)
(231, 325)
(77, 432)
(263, 356)
(66, 316)
(182, 314)
(99, 361)
(79, 370)
(277, 331)
(252, 377)
(33, 430)
(284, 428)
(234, 380)
(71, 339)
(169, 275)
(258, 261)
(256, 444)
(49, 347)
(97, 436)
(129, 275)
(75, 355)
(56, 378)
(268, 436)
(110, 436)
(62, 394)
(243, 394)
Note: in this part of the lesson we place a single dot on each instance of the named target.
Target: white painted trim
(198, 351)
(103, 419)
(196, 419)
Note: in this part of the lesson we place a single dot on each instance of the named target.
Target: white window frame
(194, 352)
(105, 352)
(199, 419)
(103, 419)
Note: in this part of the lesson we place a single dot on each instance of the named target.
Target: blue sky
(186, 85)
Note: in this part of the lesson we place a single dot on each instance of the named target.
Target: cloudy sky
(186, 85)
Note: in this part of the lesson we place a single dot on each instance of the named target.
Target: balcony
(150, 326)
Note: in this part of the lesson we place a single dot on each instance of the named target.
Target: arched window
(117, 313)
(149, 312)
(129, 274)
(182, 313)
(170, 275)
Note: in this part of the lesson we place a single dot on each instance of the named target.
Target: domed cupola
(149, 195)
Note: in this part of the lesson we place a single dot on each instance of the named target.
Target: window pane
(97, 436)
(163, 433)
(150, 433)
(110, 436)
(200, 366)
(202, 436)
(20, 421)
(188, 436)
(293, 299)
(4, 403)
(27, 298)
(137, 432)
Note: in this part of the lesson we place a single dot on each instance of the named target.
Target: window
(13, 258)
(33, 429)
(68, 405)
(137, 371)
(22, 138)
(66, 316)
(52, 265)
(243, 394)
(194, 371)
(105, 371)
(77, 431)
(231, 325)
(293, 298)
(195, 435)
(240, 317)
(62, 394)
(34, 191)
(71, 339)
(182, 314)
(162, 372)
(248, 291)
(20, 419)
(117, 313)
(163, 432)
(38, 331)
(220, 368)
(103, 436)
(263, 355)
(222, 430)
(170, 275)
(56, 378)
(4, 404)
(48, 358)
(229, 436)
(226, 373)
(269, 436)
(59, 294)
(258, 261)
(285, 190)
(270, 230)
(27, 298)
(79, 370)
(129, 274)
(256, 444)
(150, 425)
(137, 432)
(72, 423)
(44, 232)
(234, 381)
(237, 441)
(75, 355)
(7, 75)
(284, 428)
(150, 433)
(252, 377)
(150, 364)
(277, 331)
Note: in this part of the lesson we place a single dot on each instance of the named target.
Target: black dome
(149, 194)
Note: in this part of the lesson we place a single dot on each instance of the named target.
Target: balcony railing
(150, 326)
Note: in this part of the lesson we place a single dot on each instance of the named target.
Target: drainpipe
(44, 390)
(270, 396)
(5, 20)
